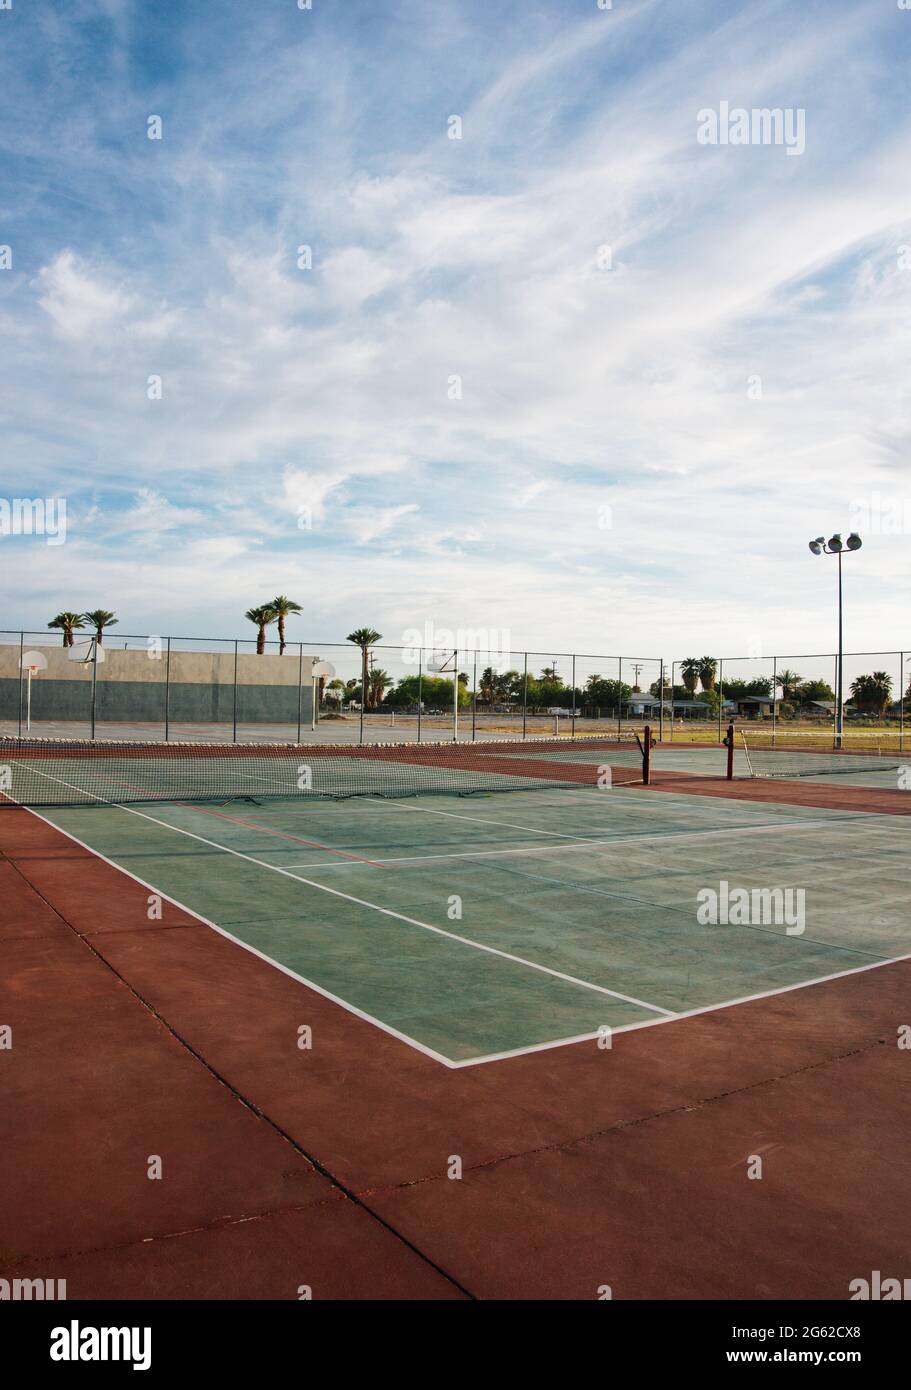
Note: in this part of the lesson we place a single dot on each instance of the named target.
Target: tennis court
(554, 897)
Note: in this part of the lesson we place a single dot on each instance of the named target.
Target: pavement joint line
(344, 1189)
(689, 1107)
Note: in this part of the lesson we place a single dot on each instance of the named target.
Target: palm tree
(789, 682)
(708, 668)
(283, 608)
(99, 619)
(364, 637)
(67, 621)
(377, 683)
(873, 693)
(690, 668)
(262, 617)
(487, 686)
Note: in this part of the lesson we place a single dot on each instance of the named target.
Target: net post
(525, 696)
(730, 746)
(234, 708)
(21, 654)
(646, 755)
(167, 693)
(300, 687)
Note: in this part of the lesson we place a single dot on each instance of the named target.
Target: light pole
(835, 546)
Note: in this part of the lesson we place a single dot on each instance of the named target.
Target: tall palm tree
(690, 668)
(708, 668)
(789, 682)
(262, 617)
(283, 607)
(68, 622)
(364, 637)
(99, 619)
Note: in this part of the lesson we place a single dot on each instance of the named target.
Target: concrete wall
(131, 686)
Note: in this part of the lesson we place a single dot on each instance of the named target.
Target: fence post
(673, 664)
(167, 693)
(720, 694)
(300, 687)
(572, 719)
(901, 702)
(21, 654)
(234, 716)
(525, 695)
(420, 687)
(661, 701)
(474, 697)
(94, 681)
(774, 700)
(619, 697)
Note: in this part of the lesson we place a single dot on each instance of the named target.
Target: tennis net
(779, 762)
(35, 772)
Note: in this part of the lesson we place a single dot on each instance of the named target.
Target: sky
(553, 366)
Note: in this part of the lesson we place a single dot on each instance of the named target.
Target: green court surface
(474, 927)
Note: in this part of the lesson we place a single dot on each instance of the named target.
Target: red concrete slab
(665, 1209)
(794, 791)
(372, 1108)
(94, 1084)
(692, 1059)
(25, 913)
(95, 907)
(339, 1250)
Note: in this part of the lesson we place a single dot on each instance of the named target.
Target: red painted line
(283, 834)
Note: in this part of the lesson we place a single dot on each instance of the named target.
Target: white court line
(669, 1016)
(421, 1047)
(384, 911)
(660, 836)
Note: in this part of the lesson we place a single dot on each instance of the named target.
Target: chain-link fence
(188, 689)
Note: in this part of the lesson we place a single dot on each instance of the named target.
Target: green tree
(377, 683)
(263, 617)
(68, 622)
(790, 683)
(283, 607)
(99, 619)
(708, 669)
(816, 690)
(873, 693)
(365, 638)
(689, 673)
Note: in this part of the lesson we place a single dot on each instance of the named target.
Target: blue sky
(640, 450)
